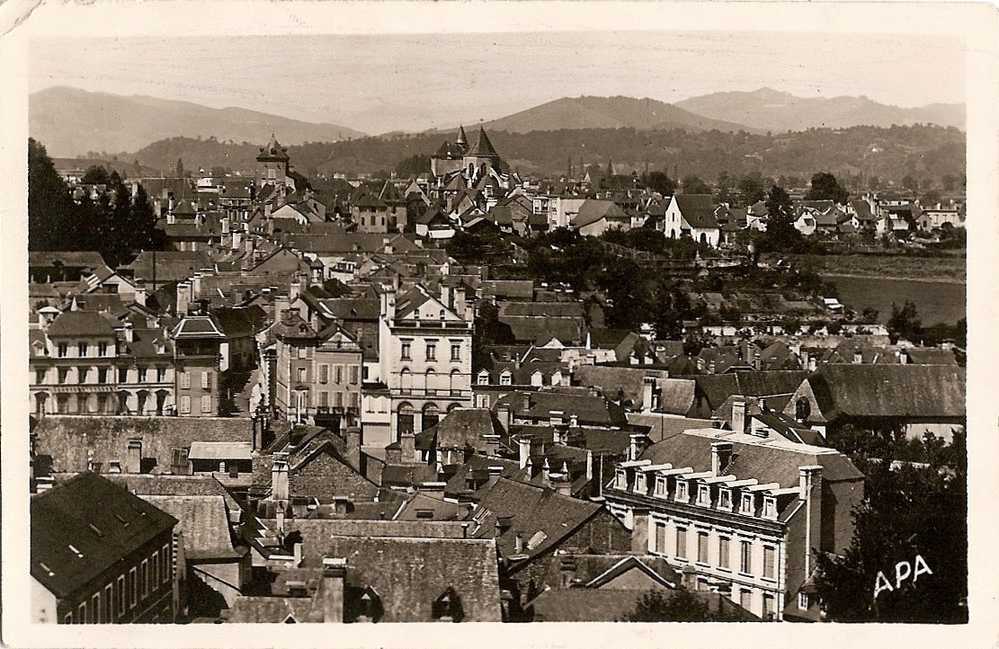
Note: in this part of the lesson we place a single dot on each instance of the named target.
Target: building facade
(197, 340)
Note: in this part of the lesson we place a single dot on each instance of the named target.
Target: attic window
(536, 540)
(96, 530)
(47, 569)
(74, 550)
(747, 506)
(681, 491)
(770, 508)
(425, 514)
(121, 520)
(704, 495)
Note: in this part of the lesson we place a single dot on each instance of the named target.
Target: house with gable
(691, 215)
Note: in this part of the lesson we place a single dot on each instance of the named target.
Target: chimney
(721, 457)
(518, 544)
(129, 331)
(555, 417)
(237, 240)
(460, 301)
(328, 600)
(634, 447)
(503, 524)
(524, 448)
(648, 388)
(900, 356)
(196, 286)
(562, 483)
(858, 357)
(546, 471)
(133, 459)
(352, 451)
(810, 491)
(739, 414)
(640, 532)
(589, 464)
(813, 363)
(525, 401)
(279, 477)
(294, 290)
(756, 361)
(505, 416)
(408, 443)
(447, 297)
(183, 298)
(494, 475)
(140, 293)
(711, 366)
(280, 305)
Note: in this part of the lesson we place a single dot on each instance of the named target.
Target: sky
(412, 82)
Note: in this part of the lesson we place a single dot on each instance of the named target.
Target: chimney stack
(634, 445)
(279, 477)
(328, 600)
(140, 293)
(352, 451)
(555, 417)
(739, 414)
(810, 491)
(589, 464)
(129, 332)
(858, 357)
(184, 298)
(524, 448)
(505, 416)
(494, 475)
(133, 459)
(525, 401)
(648, 389)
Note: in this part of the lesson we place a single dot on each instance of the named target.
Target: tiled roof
(531, 329)
(168, 265)
(317, 529)
(484, 147)
(664, 426)
(542, 309)
(697, 209)
(907, 391)
(592, 210)
(102, 521)
(770, 459)
(204, 521)
(197, 326)
(80, 323)
(609, 605)
(615, 381)
(465, 427)
(508, 288)
(590, 409)
(68, 259)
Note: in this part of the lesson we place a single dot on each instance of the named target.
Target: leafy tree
(907, 511)
(679, 605)
(751, 188)
(414, 165)
(694, 185)
(826, 187)
(904, 322)
(781, 235)
(869, 315)
(874, 183)
(54, 220)
(178, 169)
(791, 325)
(95, 175)
(658, 181)
(834, 327)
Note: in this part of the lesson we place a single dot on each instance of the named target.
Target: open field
(951, 269)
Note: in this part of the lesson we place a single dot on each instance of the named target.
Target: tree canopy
(826, 187)
(680, 605)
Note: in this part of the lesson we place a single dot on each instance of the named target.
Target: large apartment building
(744, 512)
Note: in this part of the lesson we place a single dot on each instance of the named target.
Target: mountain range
(778, 111)
(72, 122)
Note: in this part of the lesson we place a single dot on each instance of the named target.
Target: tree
(826, 187)
(751, 188)
(179, 168)
(679, 605)
(694, 185)
(904, 322)
(658, 181)
(869, 315)
(781, 235)
(910, 183)
(54, 221)
(95, 175)
(907, 511)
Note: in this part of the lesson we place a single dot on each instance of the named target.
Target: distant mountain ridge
(72, 122)
(608, 112)
(778, 111)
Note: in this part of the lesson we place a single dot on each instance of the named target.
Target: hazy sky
(413, 82)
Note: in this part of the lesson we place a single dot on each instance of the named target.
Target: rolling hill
(778, 111)
(72, 122)
(569, 113)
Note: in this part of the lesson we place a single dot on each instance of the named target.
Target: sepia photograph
(502, 323)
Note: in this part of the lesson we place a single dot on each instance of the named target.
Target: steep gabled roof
(484, 147)
(698, 210)
(80, 323)
(904, 391)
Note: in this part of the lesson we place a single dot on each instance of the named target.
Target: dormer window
(483, 377)
(704, 495)
(681, 491)
(621, 479)
(770, 508)
(747, 506)
(662, 487)
(505, 377)
(640, 482)
(724, 499)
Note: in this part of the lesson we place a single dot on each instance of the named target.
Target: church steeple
(462, 140)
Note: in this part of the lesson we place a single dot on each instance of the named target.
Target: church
(478, 172)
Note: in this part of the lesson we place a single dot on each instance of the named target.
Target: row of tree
(116, 224)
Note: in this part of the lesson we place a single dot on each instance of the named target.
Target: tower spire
(462, 139)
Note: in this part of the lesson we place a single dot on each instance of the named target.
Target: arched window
(406, 380)
(431, 381)
(404, 418)
(456, 381)
(802, 409)
(431, 415)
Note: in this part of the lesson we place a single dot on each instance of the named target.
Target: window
(505, 378)
(745, 557)
(681, 491)
(702, 547)
(302, 352)
(338, 374)
(353, 374)
(166, 559)
(431, 351)
(768, 607)
(161, 374)
(355, 400)
(747, 504)
(206, 403)
(483, 378)
(301, 375)
(122, 375)
(81, 349)
(185, 404)
(406, 351)
(133, 588)
(107, 612)
(723, 552)
(640, 487)
(39, 376)
(95, 609)
(661, 486)
(102, 375)
(102, 349)
(185, 380)
(62, 348)
(144, 578)
(803, 601)
(204, 380)
(154, 571)
(681, 543)
(746, 599)
(324, 399)
(769, 554)
(68, 619)
(704, 495)
(621, 479)
(770, 508)
(660, 540)
(119, 595)
(324, 373)
(455, 352)
(81, 613)
(62, 374)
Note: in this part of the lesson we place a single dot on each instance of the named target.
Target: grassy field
(935, 301)
(900, 267)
